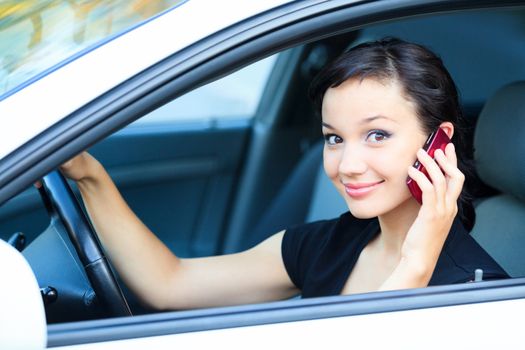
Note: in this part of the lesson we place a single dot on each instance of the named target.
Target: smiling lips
(358, 190)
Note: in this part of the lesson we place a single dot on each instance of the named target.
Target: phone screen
(437, 140)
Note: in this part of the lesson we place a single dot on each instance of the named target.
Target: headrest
(499, 141)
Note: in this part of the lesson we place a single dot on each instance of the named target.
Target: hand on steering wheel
(62, 204)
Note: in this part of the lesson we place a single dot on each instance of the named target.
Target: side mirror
(22, 313)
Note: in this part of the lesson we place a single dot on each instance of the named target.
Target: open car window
(234, 97)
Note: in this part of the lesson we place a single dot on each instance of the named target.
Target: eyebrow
(364, 121)
(328, 126)
(371, 119)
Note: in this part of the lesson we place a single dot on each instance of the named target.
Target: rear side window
(236, 96)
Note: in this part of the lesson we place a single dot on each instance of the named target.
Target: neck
(395, 225)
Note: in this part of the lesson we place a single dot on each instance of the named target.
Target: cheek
(393, 163)
(331, 161)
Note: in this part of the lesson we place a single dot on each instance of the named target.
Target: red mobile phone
(437, 140)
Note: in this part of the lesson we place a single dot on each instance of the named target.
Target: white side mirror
(22, 314)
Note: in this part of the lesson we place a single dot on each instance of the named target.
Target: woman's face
(372, 134)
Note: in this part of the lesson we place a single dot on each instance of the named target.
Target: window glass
(236, 96)
(36, 35)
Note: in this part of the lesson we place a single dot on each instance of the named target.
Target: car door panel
(178, 180)
(408, 314)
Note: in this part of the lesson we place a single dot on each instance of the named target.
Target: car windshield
(37, 35)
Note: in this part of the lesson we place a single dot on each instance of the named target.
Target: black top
(320, 256)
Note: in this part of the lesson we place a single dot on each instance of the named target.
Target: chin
(364, 211)
(369, 209)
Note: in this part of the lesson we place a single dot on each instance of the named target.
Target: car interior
(217, 185)
(499, 153)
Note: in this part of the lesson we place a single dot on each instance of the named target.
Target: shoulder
(301, 241)
(305, 233)
(461, 256)
(298, 245)
(304, 245)
(339, 225)
(320, 233)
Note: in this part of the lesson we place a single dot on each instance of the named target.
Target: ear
(448, 128)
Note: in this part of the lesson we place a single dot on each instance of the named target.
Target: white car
(199, 111)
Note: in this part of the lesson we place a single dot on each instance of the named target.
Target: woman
(379, 102)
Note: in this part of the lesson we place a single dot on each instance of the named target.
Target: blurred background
(35, 35)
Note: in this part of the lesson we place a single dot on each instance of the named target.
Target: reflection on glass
(37, 34)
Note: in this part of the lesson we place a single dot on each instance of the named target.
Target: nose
(352, 161)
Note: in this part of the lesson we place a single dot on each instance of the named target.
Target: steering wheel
(62, 204)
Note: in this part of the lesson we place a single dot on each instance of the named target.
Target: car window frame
(179, 322)
(215, 56)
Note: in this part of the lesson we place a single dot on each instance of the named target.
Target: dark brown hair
(425, 81)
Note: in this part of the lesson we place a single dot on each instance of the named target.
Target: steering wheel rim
(62, 204)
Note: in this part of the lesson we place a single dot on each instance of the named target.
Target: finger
(67, 164)
(38, 184)
(450, 152)
(448, 164)
(455, 178)
(455, 187)
(427, 189)
(434, 172)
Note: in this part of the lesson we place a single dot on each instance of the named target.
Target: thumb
(67, 164)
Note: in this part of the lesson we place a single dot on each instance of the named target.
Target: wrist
(409, 273)
(417, 271)
(93, 174)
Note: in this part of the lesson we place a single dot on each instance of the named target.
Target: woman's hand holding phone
(440, 192)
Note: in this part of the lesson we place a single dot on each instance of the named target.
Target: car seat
(307, 195)
(499, 145)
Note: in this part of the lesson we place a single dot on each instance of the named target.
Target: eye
(376, 136)
(332, 139)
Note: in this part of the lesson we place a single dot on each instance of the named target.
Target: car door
(428, 317)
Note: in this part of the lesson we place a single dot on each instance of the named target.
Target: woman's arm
(427, 235)
(155, 274)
